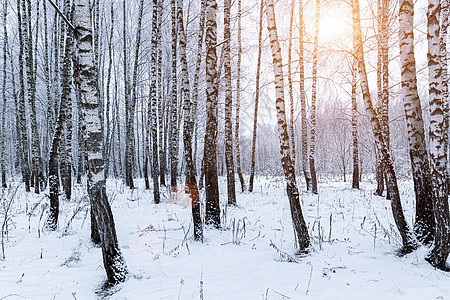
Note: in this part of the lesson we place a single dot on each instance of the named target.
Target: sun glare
(334, 29)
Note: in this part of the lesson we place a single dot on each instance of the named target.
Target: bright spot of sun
(333, 28)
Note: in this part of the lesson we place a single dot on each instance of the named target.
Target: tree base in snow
(407, 249)
(437, 260)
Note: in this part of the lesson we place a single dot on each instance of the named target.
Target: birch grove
(175, 103)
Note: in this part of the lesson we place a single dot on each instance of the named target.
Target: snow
(357, 261)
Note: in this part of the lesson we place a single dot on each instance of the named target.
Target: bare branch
(61, 14)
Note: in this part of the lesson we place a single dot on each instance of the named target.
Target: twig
(283, 254)
(310, 277)
(181, 285)
(5, 220)
(61, 14)
(75, 213)
(284, 296)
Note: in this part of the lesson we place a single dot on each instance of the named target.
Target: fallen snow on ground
(352, 231)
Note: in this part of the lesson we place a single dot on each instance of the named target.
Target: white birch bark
(312, 147)
(288, 167)
(112, 258)
(21, 105)
(305, 161)
(231, 187)
(238, 99)
(424, 225)
(3, 127)
(255, 113)
(438, 156)
(407, 235)
(188, 129)
(210, 152)
(173, 138)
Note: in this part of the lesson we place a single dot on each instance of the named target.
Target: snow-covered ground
(353, 257)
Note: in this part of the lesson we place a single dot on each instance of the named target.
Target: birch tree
(50, 104)
(173, 138)
(355, 156)
(198, 62)
(5, 37)
(407, 235)
(129, 110)
(228, 105)
(288, 167)
(65, 147)
(31, 89)
(238, 98)
(134, 87)
(153, 103)
(188, 129)
(161, 103)
(58, 144)
(255, 114)
(109, 134)
(23, 136)
(438, 156)
(444, 62)
(290, 83)
(378, 109)
(384, 48)
(312, 147)
(305, 161)
(424, 224)
(113, 261)
(212, 216)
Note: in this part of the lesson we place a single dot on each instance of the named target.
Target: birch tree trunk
(173, 138)
(407, 235)
(129, 110)
(238, 98)
(57, 45)
(18, 141)
(201, 31)
(255, 115)
(42, 163)
(154, 103)
(211, 179)
(66, 105)
(5, 37)
(312, 148)
(385, 77)
(28, 47)
(53, 172)
(161, 103)
(109, 135)
(31, 84)
(424, 225)
(81, 141)
(438, 157)
(290, 84)
(305, 161)
(354, 66)
(288, 167)
(444, 63)
(188, 129)
(378, 110)
(50, 104)
(57, 141)
(22, 120)
(119, 126)
(112, 258)
(228, 105)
